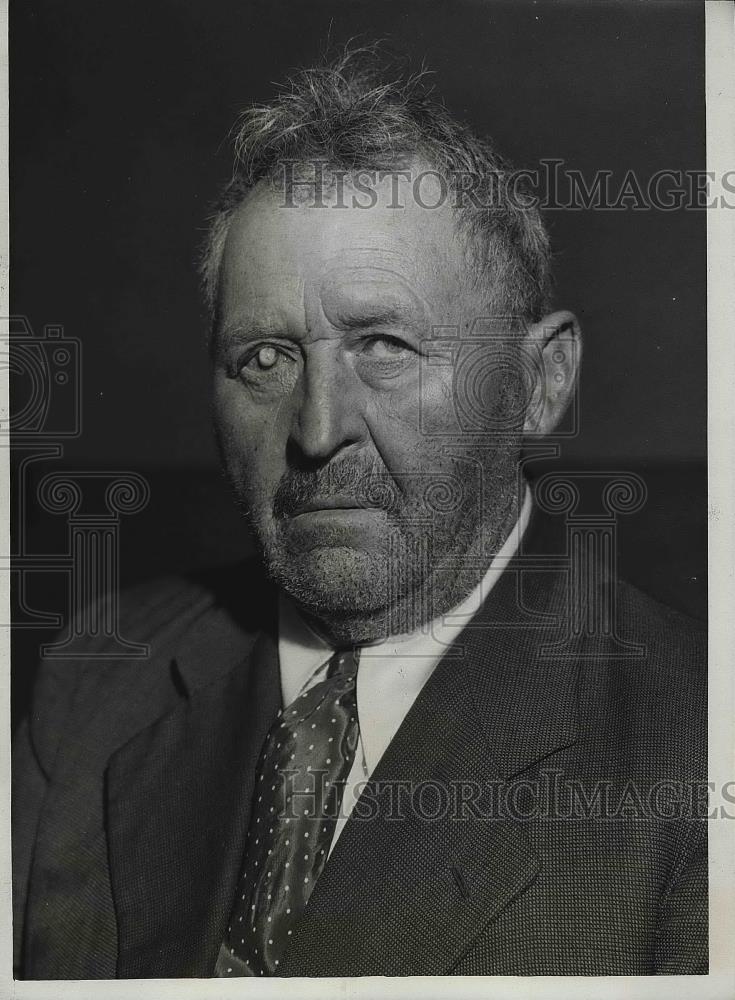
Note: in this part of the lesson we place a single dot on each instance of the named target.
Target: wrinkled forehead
(363, 239)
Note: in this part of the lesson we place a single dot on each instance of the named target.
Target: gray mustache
(365, 486)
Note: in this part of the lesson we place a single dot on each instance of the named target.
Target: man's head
(379, 341)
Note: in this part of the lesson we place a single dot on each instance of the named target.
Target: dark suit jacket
(134, 780)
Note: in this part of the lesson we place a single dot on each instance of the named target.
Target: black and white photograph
(368, 463)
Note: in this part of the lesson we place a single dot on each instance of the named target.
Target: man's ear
(553, 348)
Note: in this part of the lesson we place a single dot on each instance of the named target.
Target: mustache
(366, 484)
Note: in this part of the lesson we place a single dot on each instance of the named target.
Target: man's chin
(333, 579)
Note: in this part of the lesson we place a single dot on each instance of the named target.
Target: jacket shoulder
(104, 685)
(671, 639)
(649, 700)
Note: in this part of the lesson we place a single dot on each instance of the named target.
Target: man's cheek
(248, 437)
(434, 411)
(401, 423)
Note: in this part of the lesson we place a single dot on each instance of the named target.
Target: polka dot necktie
(299, 783)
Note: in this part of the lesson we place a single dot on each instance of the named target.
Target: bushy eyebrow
(349, 320)
(243, 333)
(361, 318)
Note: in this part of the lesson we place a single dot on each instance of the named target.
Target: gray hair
(343, 114)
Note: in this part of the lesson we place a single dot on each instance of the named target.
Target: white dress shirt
(390, 673)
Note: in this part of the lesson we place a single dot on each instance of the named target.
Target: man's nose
(327, 417)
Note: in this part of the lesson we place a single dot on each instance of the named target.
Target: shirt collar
(300, 650)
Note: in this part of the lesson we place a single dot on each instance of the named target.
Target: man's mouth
(331, 503)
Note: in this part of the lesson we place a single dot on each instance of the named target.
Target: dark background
(119, 121)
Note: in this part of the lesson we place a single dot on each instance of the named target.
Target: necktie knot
(344, 662)
(337, 685)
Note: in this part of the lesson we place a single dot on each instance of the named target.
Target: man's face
(332, 417)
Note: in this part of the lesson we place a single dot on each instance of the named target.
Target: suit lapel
(178, 801)
(405, 894)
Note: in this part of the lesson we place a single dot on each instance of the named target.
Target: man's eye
(264, 358)
(268, 367)
(387, 349)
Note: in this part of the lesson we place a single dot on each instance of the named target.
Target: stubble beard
(416, 572)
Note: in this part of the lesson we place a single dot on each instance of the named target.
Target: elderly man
(384, 748)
